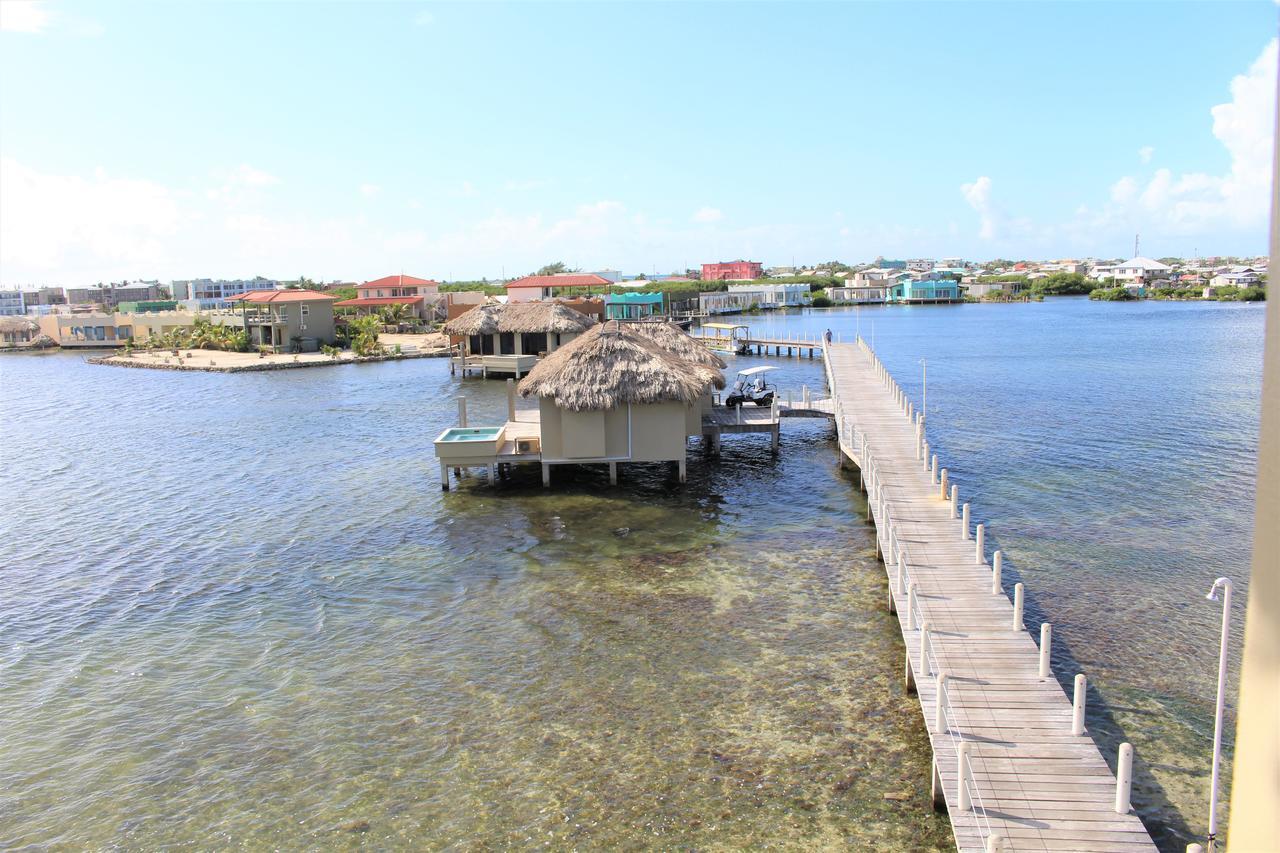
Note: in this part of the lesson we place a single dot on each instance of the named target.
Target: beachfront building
(111, 295)
(859, 294)
(724, 302)
(1236, 277)
(101, 329)
(535, 287)
(929, 290)
(286, 320)
(618, 394)
(738, 270)
(420, 296)
(773, 295)
(632, 306)
(18, 332)
(508, 339)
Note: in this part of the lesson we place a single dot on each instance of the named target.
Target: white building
(12, 303)
(774, 295)
(210, 294)
(859, 295)
(1140, 271)
(920, 264)
(1236, 277)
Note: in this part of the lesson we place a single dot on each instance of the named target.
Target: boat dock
(1012, 762)
(794, 347)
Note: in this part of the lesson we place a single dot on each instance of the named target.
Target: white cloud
(708, 214)
(1145, 153)
(49, 223)
(978, 195)
(370, 190)
(24, 16)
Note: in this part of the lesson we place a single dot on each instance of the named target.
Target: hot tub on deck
(469, 442)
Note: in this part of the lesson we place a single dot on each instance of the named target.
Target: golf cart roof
(752, 371)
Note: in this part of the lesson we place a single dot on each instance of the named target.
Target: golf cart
(750, 387)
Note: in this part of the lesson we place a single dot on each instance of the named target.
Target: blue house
(943, 290)
(632, 306)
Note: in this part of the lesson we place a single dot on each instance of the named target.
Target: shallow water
(238, 609)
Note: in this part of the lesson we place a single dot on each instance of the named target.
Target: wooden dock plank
(1032, 782)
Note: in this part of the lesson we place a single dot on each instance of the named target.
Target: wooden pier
(794, 347)
(1012, 762)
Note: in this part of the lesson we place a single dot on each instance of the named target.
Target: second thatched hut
(510, 338)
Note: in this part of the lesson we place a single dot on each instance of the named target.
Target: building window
(533, 342)
(506, 343)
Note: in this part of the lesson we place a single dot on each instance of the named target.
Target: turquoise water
(475, 434)
(237, 609)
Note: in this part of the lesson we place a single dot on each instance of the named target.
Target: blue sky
(347, 141)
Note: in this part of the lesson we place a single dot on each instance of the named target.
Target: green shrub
(821, 302)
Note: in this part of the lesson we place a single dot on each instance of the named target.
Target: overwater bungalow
(619, 392)
(618, 395)
(509, 339)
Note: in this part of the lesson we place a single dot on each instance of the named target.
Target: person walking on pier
(827, 336)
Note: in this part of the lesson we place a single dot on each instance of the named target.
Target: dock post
(462, 411)
(444, 477)
(979, 552)
(1017, 608)
(995, 844)
(964, 521)
(774, 448)
(1046, 646)
(613, 473)
(738, 409)
(919, 440)
(546, 475)
(681, 470)
(902, 573)
(963, 801)
(511, 399)
(493, 475)
(939, 706)
(933, 471)
(1077, 706)
(936, 792)
(1124, 778)
(925, 631)
(997, 562)
(955, 499)
(926, 452)
(943, 491)
(911, 606)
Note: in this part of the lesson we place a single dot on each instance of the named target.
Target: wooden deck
(1030, 783)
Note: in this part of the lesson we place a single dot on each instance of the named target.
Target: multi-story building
(420, 295)
(113, 294)
(210, 294)
(738, 270)
(920, 264)
(533, 287)
(44, 296)
(12, 303)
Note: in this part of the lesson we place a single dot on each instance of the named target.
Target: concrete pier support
(613, 473)
(444, 477)
(546, 475)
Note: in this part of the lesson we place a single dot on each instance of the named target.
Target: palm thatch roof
(8, 325)
(614, 365)
(671, 337)
(544, 316)
(480, 320)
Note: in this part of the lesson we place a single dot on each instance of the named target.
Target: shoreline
(117, 360)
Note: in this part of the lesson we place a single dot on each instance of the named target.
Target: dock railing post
(923, 669)
(1046, 646)
(962, 770)
(995, 844)
(1077, 706)
(933, 470)
(911, 606)
(997, 562)
(964, 521)
(462, 411)
(942, 478)
(1017, 608)
(939, 714)
(1124, 778)
(511, 399)
(979, 551)
(955, 498)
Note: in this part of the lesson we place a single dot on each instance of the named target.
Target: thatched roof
(8, 325)
(671, 337)
(544, 316)
(612, 366)
(480, 320)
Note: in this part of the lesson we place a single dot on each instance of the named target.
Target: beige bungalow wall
(657, 432)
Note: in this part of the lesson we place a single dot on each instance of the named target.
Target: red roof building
(276, 297)
(394, 290)
(533, 287)
(733, 271)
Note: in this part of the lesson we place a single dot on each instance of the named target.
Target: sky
(346, 141)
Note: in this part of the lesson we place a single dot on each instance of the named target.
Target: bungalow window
(481, 345)
(533, 342)
(506, 343)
